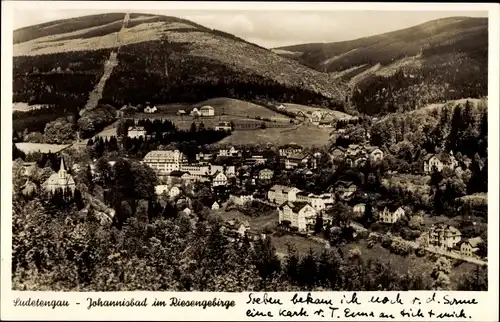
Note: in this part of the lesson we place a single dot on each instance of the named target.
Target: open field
(25, 107)
(296, 108)
(257, 224)
(302, 244)
(410, 263)
(305, 135)
(184, 122)
(234, 107)
(40, 147)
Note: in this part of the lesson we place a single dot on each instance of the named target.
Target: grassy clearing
(40, 147)
(295, 108)
(257, 224)
(305, 135)
(412, 263)
(302, 244)
(234, 107)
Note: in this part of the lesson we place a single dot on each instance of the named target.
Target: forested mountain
(160, 60)
(440, 60)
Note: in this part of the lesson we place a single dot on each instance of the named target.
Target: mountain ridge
(443, 59)
(161, 59)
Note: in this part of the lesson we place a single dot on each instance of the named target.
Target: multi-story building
(136, 131)
(219, 179)
(266, 174)
(318, 202)
(444, 236)
(280, 194)
(164, 162)
(197, 171)
(470, 247)
(207, 111)
(439, 162)
(289, 149)
(389, 217)
(299, 215)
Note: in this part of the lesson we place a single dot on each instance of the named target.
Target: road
(416, 245)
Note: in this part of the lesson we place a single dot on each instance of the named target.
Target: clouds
(278, 28)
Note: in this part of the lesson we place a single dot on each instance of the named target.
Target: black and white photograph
(249, 150)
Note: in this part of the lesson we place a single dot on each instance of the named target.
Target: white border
(487, 310)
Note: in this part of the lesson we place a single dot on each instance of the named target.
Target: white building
(223, 126)
(196, 171)
(359, 208)
(280, 194)
(136, 131)
(299, 215)
(470, 247)
(241, 199)
(443, 236)
(195, 112)
(390, 217)
(207, 111)
(60, 180)
(161, 189)
(228, 152)
(219, 179)
(150, 109)
(215, 206)
(228, 170)
(316, 117)
(174, 192)
(376, 154)
(164, 162)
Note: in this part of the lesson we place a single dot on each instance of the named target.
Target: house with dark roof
(297, 215)
(337, 153)
(345, 189)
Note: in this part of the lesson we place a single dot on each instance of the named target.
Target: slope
(161, 60)
(440, 60)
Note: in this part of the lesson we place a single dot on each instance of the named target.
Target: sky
(272, 29)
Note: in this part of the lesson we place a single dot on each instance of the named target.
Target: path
(109, 65)
(430, 249)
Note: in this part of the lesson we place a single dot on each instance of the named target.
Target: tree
(193, 128)
(89, 179)
(440, 274)
(318, 225)
(456, 125)
(59, 132)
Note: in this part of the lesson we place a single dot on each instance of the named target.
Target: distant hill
(436, 61)
(160, 60)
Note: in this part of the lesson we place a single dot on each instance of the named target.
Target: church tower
(62, 174)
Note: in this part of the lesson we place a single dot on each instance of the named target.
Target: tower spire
(62, 165)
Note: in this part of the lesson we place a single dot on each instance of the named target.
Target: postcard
(249, 161)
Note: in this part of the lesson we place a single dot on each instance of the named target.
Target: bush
(399, 246)
(420, 251)
(386, 241)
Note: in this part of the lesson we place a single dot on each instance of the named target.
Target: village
(244, 179)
